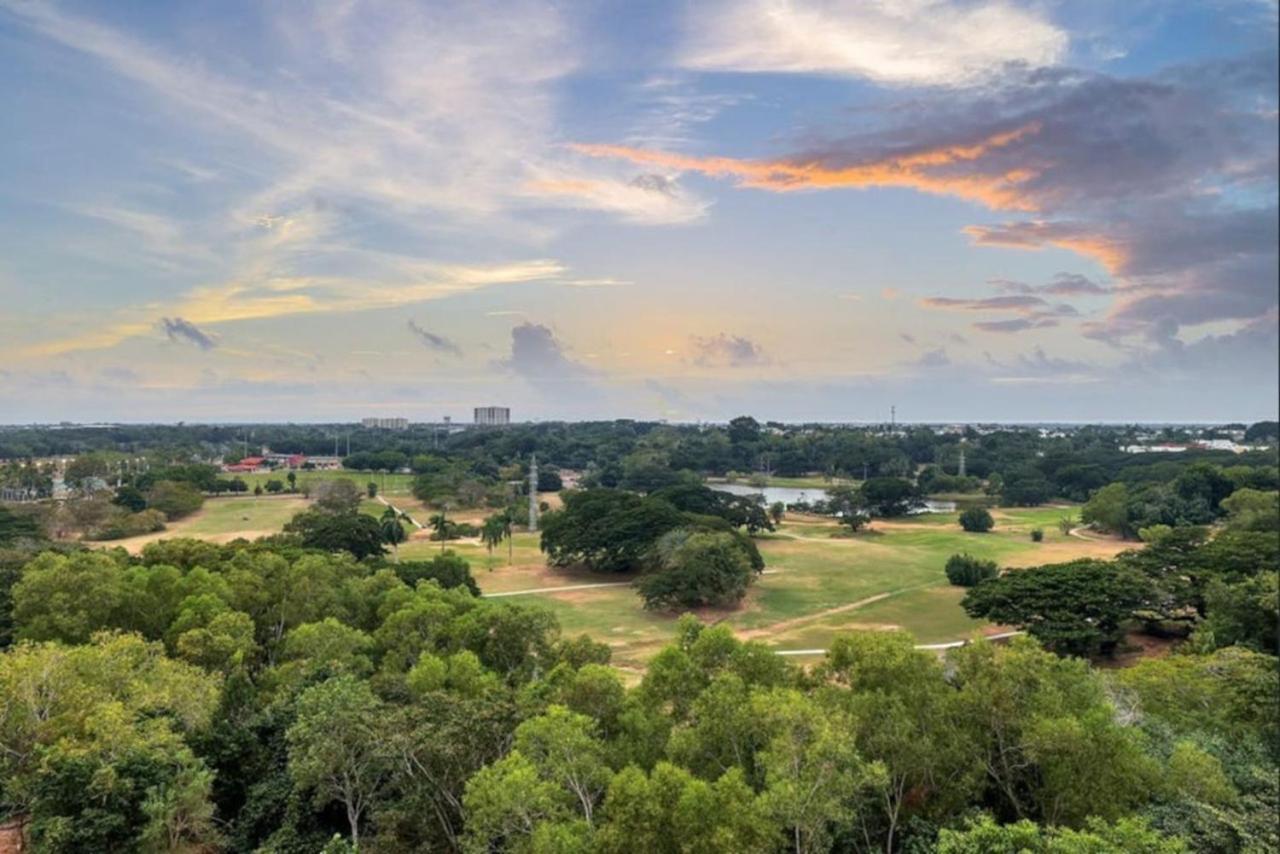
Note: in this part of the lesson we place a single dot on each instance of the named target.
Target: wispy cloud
(929, 42)
(432, 341)
(180, 330)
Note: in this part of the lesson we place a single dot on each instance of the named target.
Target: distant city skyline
(1028, 212)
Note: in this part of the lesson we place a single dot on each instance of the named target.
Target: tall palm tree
(508, 521)
(440, 524)
(392, 530)
(492, 533)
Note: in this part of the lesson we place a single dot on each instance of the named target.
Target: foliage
(174, 499)
(606, 530)
(356, 533)
(965, 570)
(1076, 608)
(976, 520)
(695, 569)
(890, 496)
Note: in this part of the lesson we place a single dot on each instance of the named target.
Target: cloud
(431, 341)
(722, 350)
(179, 330)
(1017, 324)
(1063, 284)
(539, 357)
(919, 42)
(1034, 312)
(937, 358)
(928, 168)
(1167, 181)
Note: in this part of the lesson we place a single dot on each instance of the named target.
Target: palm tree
(440, 524)
(392, 530)
(507, 523)
(492, 533)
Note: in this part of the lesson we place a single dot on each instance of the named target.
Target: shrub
(965, 570)
(1037, 535)
(976, 520)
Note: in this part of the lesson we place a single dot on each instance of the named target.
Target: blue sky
(802, 210)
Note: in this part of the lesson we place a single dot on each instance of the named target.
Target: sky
(804, 211)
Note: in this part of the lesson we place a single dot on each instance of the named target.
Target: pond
(789, 495)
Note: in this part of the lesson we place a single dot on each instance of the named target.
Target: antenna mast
(533, 492)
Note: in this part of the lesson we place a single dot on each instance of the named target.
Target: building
(385, 423)
(492, 416)
(246, 464)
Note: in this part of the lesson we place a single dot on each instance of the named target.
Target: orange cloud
(926, 170)
(1038, 234)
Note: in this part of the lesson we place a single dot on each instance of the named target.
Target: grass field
(388, 484)
(819, 581)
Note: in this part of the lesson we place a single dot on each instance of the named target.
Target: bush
(966, 570)
(976, 520)
(1037, 535)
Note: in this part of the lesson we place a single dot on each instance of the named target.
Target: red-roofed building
(246, 464)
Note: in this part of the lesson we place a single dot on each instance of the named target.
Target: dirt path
(784, 625)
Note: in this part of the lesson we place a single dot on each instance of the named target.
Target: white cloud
(907, 42)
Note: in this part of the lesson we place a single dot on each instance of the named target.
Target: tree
(393, 533)
(339, 496)
(67, 597)
(965, 570)
(1067, 524)
(174, 499)
(1076, 608)
(1025, 487)
(850, 506)
(130, 498)
(776, 511)
(694, 569)
(337, 749)
(356, 533)
(1252, 510)
(492, 532)
(607, 530)
(440, 523)
(292, 477)
(1107, 510)
(890, 496)
(976, 520)
(449, 570)
(1127, 836)
(371, 489)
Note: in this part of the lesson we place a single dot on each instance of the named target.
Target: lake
(789, 495)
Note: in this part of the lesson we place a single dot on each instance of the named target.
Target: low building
(492, 416)
(247, 464)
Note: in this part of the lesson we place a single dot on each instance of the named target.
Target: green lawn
(820, 580)
(814, 578)
(388, 484)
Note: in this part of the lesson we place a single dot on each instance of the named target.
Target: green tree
(68, 597)
(337, 749)
(393, 533)
(492, 533)
(694, 569)
(964, 570)
(174, 499)
(1076, 608)
(1107, 510)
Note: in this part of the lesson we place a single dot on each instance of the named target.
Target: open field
(388, 484)
(224, 519)
(820, 580)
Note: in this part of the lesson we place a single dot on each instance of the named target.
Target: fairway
(221, 520)
(395, 483)
(819, 580)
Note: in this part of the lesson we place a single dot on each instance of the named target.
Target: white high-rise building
(385, 423)
(492, 416)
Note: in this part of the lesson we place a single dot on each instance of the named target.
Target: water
(789, 495)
